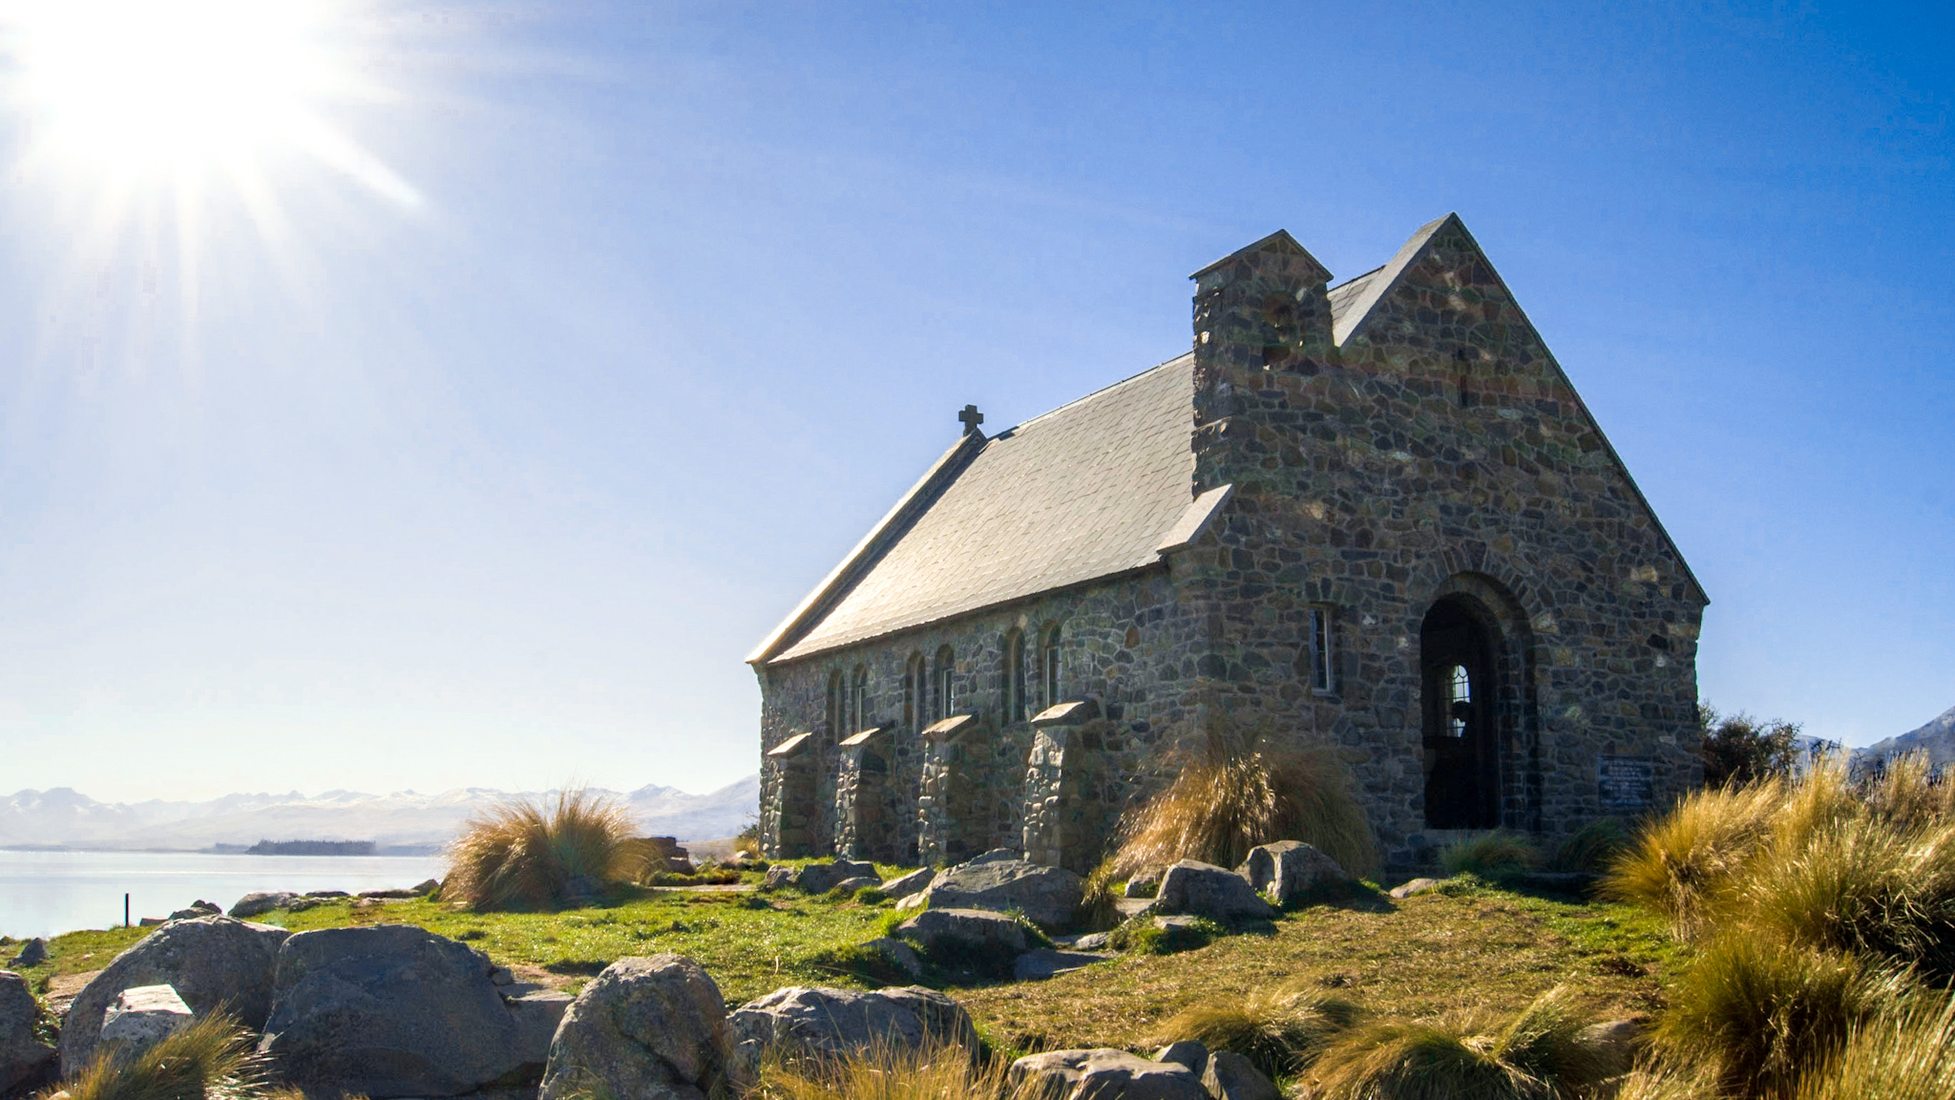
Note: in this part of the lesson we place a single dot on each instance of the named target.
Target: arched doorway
(1459, 695)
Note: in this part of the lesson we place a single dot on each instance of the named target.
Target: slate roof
(1085, 491)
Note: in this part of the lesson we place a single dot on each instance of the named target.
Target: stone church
(1373, 517)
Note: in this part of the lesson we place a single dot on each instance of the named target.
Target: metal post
(125, 910)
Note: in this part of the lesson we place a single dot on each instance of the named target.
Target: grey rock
(1416, 886)
(32, 953)
(804, 1021)
(387, 1010)
(819, 878)
(259, 902)
(899, 955)
(198, 908)
(1289, 872)
(646, 1029)
(913, 901)
(1619, 1042)
(24, 1059)
(1185, 1052)
(1103, 1074)
(858, 882)
(327, 895)
(209, 961)
(903, 886)
(1230, 1076)
(427, 887)
(142, 1017)
(1091, 941)
(1048, 896)
(966, 936)
(1041, 963)
(777, 878)
(537, 1014)
(1201, 889)
(1143, 885)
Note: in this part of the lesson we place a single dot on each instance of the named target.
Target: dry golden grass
(211, 1059)
(1904, 1053)
(1678, 863)
(1237, 792)
(1281, 1029)
(522, 855)
(1534, 1054)
(927, 1073)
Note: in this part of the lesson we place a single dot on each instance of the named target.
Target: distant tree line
(311, 848)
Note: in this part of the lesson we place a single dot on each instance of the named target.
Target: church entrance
(1459, 697)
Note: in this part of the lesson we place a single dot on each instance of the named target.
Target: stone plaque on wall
(1626, 782)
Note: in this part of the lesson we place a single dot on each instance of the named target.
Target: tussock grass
(525, 855)
(1490, 855)
(1666, 1081)
(886, 1073)
(1905, 1053)
(210, 1059)
(1536, 1054)
(1281, 1030)
(1758, 1014)
(1593, 847)
(1241, 790)
(1904, 795)
(1679, 862)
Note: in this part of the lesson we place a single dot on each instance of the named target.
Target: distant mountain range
(1937, 739)
(65, 818)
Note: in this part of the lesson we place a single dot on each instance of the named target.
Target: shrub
(1239, 792)
(1757, 1014)
(1907, 1053)
(212, 1058)
(886, 1073)
(1738, 748)
(1490, 855)
(1280, 1030)
(1593, 847)
(747, 840)
(1679, 862)
(523, 855)
(1537, 1054)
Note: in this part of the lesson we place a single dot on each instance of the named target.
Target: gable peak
(1279, 243)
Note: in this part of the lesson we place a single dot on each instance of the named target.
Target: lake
(47, 893)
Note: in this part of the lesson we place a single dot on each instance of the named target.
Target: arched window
(1049, 667)
(859, 700)
(837, 707)
(913, 693)
(1460, 698)
(945, 670)
(1014, 676)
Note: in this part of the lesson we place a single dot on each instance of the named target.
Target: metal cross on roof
(970, 418)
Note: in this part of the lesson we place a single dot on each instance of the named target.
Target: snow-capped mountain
(1936, 738)
(63, 817)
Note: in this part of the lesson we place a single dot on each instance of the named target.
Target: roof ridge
(1110, 386)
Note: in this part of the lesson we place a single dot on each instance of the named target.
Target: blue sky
(494, 478)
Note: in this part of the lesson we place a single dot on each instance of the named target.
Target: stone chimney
(1262, 324)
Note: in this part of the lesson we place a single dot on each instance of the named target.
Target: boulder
(646, 1029)
(858, 882)
(1230, 1076)
(898, 954)
(1041, 963)
(427, 887)
(142, 1017)
(1185, 1052)
(24, 1059)
(1290, 872)
(537, 1014)
(903, 886)
(260, 902)
(209, 961)
(819, 878)
(1091, 941)
(32, 953)
(1143, 885)
(804, 1021)
(1103, 1074)
(912, 902)
(966, 937)
(1048, 896)
(198, 908)
(1198, 889)
(1416, 886)
(387, 1010)
(1618, 1042)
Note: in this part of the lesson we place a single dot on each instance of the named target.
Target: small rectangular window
(1322, 659)
(1050, 673)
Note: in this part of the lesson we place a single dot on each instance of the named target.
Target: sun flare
(137, 94)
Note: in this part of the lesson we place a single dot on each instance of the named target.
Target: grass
(529, 855)
(1281, 1029)
(1413, 958)
(1677, 864)
(1593, 848)
(1536, 1053)
(1907, 1053)
(1758, 1014)
(212, 1058)
(1490, 855)
(1238, 792)
(927, 1073)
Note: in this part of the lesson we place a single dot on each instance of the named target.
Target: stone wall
(1127, 643)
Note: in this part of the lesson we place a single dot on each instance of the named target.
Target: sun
(146, 94)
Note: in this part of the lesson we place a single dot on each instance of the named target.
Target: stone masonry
(1395, 530)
